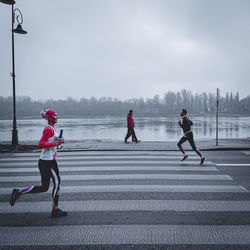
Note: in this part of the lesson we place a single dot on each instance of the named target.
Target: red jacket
(47, 133)
(130, 121)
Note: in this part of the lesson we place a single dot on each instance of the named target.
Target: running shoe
(138, 141)
(58, 213)
(184, 158)
(202, 160)
(126, 142)
(14, 196)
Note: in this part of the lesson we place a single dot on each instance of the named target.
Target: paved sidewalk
(99, 144)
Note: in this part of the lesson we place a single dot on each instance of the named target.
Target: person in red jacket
(47, 165)
(131, 125)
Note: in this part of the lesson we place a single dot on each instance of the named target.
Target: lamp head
(10, 2)
(19, 29)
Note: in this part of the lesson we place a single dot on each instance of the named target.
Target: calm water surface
(146, 128)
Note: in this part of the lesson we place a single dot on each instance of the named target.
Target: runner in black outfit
(186, 124)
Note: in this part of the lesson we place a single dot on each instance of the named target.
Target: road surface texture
(130, 200)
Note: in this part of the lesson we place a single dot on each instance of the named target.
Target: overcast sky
(126, 48)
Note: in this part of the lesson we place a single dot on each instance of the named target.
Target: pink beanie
(50, 113)
(47, 114)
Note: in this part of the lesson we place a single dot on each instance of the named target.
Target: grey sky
(126, 48)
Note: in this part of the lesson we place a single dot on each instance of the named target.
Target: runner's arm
(180, 123)
(47, 133)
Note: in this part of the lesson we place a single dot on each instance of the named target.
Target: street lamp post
(15, 14)
(217, 115)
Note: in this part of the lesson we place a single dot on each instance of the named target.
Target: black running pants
(48, 169)
(129, 133)
(188, 137)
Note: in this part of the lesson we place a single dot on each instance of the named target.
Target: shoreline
(122, 116)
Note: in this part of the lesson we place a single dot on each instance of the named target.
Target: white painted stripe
(246, 152)
(144, 188)
(110, 163)
(56, 187)
(128, 205)
(128, 158)
(117, 168)
(122, 177)
(125, 234)
(100, 153)
(233, 164)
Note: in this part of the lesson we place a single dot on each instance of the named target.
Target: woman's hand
(60, 141)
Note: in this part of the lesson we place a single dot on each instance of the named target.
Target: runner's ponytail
(43, 114)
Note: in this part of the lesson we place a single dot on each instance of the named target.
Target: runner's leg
(192, 143)
(44, 167)
(45, 178)
(56, 212)
(56, 181)
(179, 144)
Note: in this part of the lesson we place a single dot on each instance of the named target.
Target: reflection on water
(147, 128)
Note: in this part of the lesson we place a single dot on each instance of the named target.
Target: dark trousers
(129, 133)
(48, 169)
(188, 137)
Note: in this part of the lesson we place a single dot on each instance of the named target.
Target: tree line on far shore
(170, 104)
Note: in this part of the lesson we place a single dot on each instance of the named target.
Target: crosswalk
(137, 200)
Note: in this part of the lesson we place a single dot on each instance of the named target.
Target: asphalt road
(130, 200)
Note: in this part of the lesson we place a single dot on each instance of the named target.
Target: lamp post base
(14, 138)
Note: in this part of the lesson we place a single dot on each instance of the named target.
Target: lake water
(146, 128)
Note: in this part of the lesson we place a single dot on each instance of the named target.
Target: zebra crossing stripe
(122, 177)
(107, 153)
(110, 163)
(114, 168)
(233, 164)
(103, 158)
(125, 234)
(144, 188)
(130, 205)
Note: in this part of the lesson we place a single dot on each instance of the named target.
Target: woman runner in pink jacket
(47, 165)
